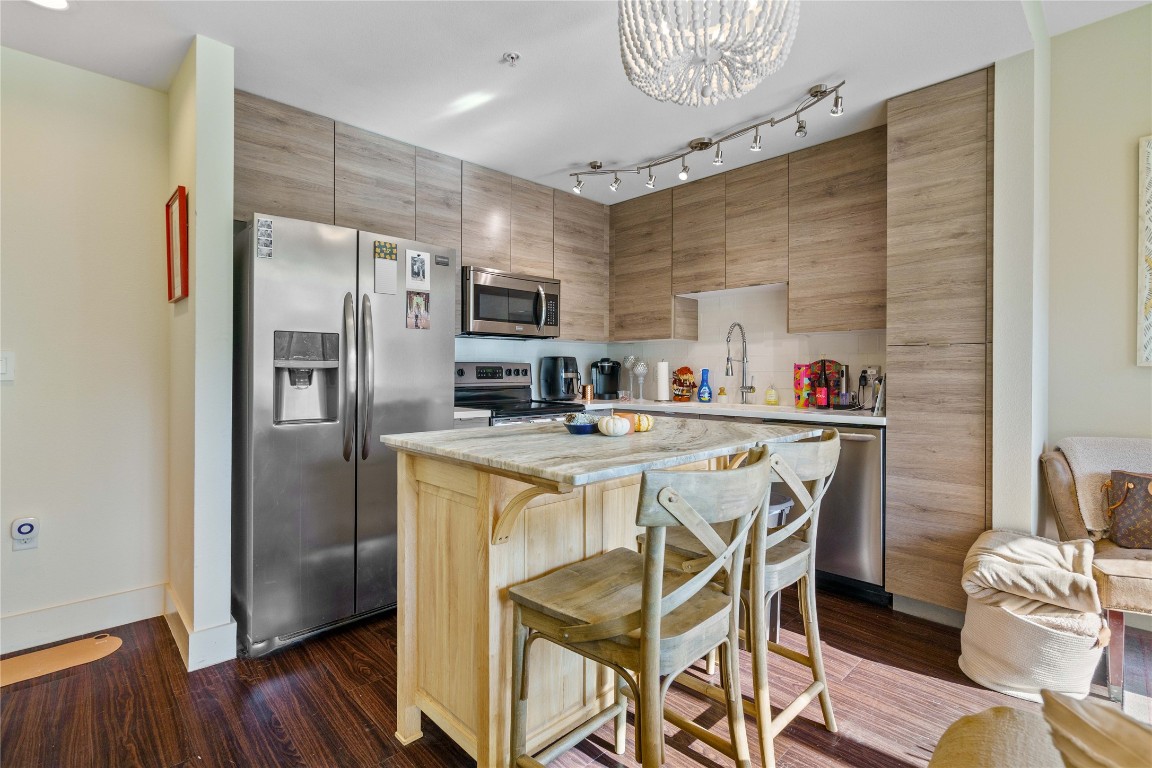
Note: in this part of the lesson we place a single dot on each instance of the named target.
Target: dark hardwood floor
(330, 701)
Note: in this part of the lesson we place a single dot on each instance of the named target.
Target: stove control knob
(516, 371)
(507, 371)
(459, 371)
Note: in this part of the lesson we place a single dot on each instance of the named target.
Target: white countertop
(863, 418)
(470, 413)
(549, 452)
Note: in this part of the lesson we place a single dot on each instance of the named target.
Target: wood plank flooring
(330, 701)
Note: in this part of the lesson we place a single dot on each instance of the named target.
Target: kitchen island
(480, 510)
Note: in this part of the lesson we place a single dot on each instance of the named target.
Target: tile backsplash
(772, 351)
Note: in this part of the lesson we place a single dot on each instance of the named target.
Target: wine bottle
(822, 386)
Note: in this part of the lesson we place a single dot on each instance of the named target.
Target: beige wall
(84, 175)
(1101, 106)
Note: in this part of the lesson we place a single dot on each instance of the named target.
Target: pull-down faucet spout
(745, 388)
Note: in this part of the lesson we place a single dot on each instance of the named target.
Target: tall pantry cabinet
(939, 334)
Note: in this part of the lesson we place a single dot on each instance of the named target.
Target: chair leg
(730, 674)
(710, 663)
(518, 742)
(760, 692)
(812, 635)
(621, 718)
(1116, 656)
(650, 722)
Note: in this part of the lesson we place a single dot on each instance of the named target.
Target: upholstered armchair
(1123, 576)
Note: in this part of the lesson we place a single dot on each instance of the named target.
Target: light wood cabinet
(698, 236)
(486, 206)
(837, 244)
(643, 306)
(283, 161)
(936, 472)
(437, 198)
(581, 266)
(938, 212)
(756, 224)
(531, 228)
(375, 183)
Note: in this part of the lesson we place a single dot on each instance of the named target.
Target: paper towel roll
(663, 381)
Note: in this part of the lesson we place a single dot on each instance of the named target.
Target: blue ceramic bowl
(581, 429)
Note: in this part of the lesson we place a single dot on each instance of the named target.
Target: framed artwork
(1144, 257)
(176, 225)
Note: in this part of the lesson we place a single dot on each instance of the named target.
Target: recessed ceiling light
(55, 5)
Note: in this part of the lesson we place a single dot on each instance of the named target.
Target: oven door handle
(541, 315)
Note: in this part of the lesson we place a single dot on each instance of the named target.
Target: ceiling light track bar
(816, 94)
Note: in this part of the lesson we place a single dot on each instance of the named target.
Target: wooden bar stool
(778, 559)
(645, 621)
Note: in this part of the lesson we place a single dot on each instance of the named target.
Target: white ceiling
(430, 73)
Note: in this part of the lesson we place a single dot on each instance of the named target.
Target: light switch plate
(7, 366)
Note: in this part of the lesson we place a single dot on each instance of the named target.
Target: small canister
(587, 390)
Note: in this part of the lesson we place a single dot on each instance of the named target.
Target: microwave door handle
(367, 395)
(349, 375)
(543, 302)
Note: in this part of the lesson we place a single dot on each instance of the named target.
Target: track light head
(801, 129)
(651, 183)
(683, 171)
(837, 105)
(615, 185)
(719, 159)
(755, 142)
(579, 186)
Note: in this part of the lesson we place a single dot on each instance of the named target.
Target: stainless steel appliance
(559, 378)
(324, 365)
(506, 390)
(606, 379)
(495, 303)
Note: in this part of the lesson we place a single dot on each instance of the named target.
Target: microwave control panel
(550, 309)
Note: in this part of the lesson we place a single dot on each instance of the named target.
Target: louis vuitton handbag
(1129, 499)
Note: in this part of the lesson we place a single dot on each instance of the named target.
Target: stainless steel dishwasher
(850, 541)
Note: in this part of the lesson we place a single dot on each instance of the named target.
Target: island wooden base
(454, 616)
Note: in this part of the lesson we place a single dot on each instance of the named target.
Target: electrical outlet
(25, 533)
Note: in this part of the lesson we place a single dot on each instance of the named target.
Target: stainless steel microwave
(495, 303)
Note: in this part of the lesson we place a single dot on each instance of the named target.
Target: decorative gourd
(643, 422)
(613, 426)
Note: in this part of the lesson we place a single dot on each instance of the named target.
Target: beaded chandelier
(697, 52)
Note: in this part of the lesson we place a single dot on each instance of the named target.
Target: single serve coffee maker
(606, 379)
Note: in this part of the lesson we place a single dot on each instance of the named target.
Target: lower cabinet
(937, 470)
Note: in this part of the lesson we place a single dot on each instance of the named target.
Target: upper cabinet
(581, 266)
(698, 236)
(837, 244)
(939, 161)
(486, 227)
(375, 183)
(437, 199)
(284, 161)
(643, 305)
(531, 228)
(756, 224)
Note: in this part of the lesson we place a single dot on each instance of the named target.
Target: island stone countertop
(859, 418)
(547, 451)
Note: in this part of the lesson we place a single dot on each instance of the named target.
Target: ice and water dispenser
(307, 371)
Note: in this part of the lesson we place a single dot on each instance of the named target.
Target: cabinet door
(698, 236)
(284, 161)
(582, 267)
(836, 235)
(532, 228)
(437, 199)
(756, 224)
(486, 204)
(938, 142)
(375, 183)
(642, 267)
(936, 472)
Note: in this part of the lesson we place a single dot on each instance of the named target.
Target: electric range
(506, 390)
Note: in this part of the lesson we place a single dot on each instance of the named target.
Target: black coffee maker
(559, 378)
(606, 379)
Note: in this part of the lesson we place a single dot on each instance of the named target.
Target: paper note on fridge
(384, 261)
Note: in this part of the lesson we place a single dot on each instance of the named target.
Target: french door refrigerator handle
(369, 374)
(543, 307)
(349, 375)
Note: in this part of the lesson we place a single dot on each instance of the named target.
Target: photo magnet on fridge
(418, 316)
(419, 263)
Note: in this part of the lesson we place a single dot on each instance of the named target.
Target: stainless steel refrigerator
(341, 336)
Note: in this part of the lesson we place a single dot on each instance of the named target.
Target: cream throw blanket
(1047, 582)
(1092, 460)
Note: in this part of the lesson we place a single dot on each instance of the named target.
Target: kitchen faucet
(745, 388)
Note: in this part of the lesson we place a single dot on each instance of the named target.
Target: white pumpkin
(613, 426)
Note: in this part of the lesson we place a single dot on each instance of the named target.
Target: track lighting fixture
(816, 94)
(837, 105)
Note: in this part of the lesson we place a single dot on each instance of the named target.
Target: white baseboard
(935, 613)
(201, 648)
(60, 622)
(1138, 621)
